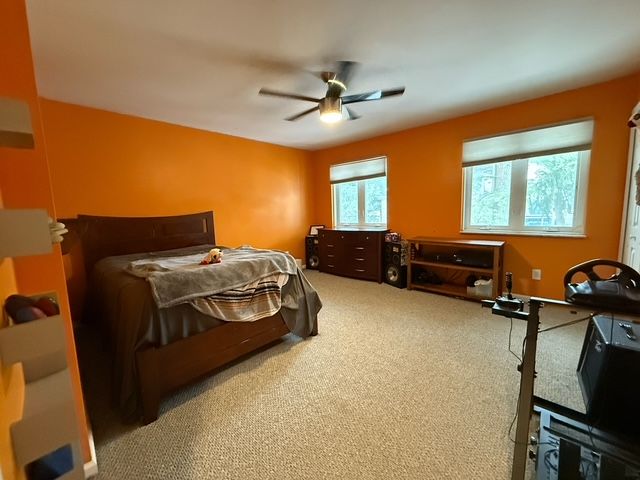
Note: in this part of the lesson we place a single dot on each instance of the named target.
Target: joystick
(509, 302)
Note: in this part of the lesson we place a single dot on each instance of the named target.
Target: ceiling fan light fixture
(330, 110)
(331, 117)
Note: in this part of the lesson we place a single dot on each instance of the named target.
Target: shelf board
(453, 266)
(442, 288)
(458, 242)
(446, 289)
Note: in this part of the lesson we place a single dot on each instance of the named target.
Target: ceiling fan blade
(369, 96)
(302, 114)
(345, 71)
(351, 114)
(274, 93)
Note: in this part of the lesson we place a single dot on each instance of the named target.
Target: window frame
(361, 183)
(518, 198)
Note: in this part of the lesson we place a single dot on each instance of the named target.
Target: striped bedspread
(246, 286)
(256, 300)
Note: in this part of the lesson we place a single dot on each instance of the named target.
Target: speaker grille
(393, 274)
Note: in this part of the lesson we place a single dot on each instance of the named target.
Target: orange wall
(11, 383)
(425, 178)
(24, 179)
(105, 163)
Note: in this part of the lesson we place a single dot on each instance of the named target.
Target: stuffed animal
(214, 256)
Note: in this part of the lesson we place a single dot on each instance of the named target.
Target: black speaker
(394, 262)
(609, 375)
(312, 259)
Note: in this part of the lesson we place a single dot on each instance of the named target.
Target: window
(532, 182)
(360, 193)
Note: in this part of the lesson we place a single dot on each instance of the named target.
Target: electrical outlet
(536, 274)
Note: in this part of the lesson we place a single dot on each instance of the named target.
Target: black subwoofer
(609, 374)
(394, 262)
(312, 259)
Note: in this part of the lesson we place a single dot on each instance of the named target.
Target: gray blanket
(180, 279)
(176, 280)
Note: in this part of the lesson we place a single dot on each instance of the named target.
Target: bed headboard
(102, 237)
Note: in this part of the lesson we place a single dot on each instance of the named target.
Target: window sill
(525, 234)
(360, 227)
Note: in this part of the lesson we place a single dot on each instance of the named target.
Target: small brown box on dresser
(352, 253)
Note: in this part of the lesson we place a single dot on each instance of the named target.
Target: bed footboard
(163, 369)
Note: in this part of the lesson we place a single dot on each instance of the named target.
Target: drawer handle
(329, 255)
(360, 270)
(359, 259)
(330, 245)
(331, 266)
(359, 248)
(342, 237)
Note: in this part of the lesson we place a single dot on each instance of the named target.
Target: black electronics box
(471, 258)
(609, 374)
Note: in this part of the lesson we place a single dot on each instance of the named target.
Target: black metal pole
(525, 398)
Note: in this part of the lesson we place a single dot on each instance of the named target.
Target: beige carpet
(398, 385)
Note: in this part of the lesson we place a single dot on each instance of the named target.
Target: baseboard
(91, 467)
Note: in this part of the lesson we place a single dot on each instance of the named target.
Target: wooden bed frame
(162, 369)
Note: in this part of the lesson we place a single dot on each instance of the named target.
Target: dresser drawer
(331, 266)
(361, 251)
(362, 239)
(362, 271)
(328, 238)
(361, 261)
(330, 257)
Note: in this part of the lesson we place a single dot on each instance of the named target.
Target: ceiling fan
(330, 106)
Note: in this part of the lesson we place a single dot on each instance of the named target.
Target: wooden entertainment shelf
(446, 266)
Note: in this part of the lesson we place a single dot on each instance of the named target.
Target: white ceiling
(201, 62)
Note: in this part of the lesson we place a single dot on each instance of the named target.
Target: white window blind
(361, 170)
(570, 137)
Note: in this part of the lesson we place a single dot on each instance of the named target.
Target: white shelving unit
(49, 419)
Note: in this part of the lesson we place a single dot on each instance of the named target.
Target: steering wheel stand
(527, 401)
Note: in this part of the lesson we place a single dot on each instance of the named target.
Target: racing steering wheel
(627, 277)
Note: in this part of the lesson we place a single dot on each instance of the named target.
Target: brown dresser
(351, 253)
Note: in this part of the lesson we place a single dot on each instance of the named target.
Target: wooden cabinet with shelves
(448, 266)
